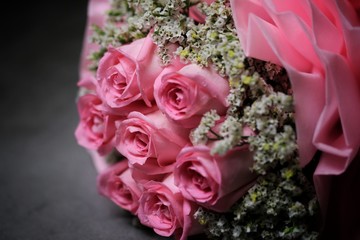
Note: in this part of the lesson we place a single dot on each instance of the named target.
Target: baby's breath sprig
(119, 10)
(244, 91)
(214, 42)
(231, 135)
(200, 135)
(275, 140)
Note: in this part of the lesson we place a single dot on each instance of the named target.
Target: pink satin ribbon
(318, 44)
(96, 15)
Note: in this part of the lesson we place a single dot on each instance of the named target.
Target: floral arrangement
(225, 117)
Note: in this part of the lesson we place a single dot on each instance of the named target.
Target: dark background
(47, 182)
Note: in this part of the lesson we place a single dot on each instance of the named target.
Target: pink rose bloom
(96, 129)
(215, 182)
(117, 184)
(318, 44)
(185, 95)
(150, 142)
(96, 15)
(196, 14)
(126, 76)
(163, 208)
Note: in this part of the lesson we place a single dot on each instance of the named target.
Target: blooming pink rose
(117, 184)
(163, 208)
(196, 14)
(215, 182)
(150, 142)
(96, 15)
(318, 44)
(96, 129)
(126, 76)
(185, 95)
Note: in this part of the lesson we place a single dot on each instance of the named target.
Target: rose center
(97, 125)
(161, 211)
(123, 192)
(199, 181)
(164, 211)
(176, 98)
(141, 142)
(117, 81)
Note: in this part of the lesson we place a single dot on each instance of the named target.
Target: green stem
(216, 134)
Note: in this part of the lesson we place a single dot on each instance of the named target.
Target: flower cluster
(196, 135)
(274, 208)
(145, 111)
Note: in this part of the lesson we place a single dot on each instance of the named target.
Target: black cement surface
(47, 182)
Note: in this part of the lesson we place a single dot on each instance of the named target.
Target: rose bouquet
(233, 118)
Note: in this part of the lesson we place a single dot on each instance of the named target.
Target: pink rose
(163, 208)
(318, 44)
(185, 95)
(118, 185)
(215, 182)
(126, 76)
(150, 142)
(96, 129)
